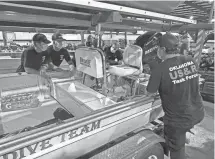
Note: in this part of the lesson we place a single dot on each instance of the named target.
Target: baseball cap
(57, 36)
(169, 41)
(41, 38)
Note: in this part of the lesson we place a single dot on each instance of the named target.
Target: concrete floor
(202, 143)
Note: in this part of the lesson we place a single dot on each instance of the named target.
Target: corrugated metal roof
(198, 9)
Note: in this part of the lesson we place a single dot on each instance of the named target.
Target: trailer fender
(150, 138)
(127, 145)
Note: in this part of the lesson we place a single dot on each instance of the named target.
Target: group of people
(40, 57)
(175, 78)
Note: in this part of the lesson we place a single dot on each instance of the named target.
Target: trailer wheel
(152, 152)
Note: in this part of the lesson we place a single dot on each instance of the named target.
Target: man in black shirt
(113, 55)
(177, 81)
(57, 53)
(34, 59)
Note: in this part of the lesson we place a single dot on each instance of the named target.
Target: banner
(19, 101)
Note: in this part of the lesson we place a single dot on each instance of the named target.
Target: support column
(82, 37)
(125, 39)
(211, 12)
(99, 35)
(98, 32)
(111, 37)
(4, 35)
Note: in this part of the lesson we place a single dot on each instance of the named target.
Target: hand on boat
(120, 62)
(71, 67)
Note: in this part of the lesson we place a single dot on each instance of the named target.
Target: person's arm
(50, 64)
(21, 66)
(47, 63)
(26, 64)
(69, 60)
(22, 58)
(41, 71)
(31, 71)
(154, 81)
(108, 57)
(119, 56)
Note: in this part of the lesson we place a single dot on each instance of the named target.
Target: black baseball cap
(40, 38)
(57, 36)
(169, 41)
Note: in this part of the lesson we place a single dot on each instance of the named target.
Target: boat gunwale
(31, 137)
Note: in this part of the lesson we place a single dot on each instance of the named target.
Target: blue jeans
(175, 140)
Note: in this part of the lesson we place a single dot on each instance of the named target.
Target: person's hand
(42, 71)
(58, 69)
(71, 67)
(120, 62)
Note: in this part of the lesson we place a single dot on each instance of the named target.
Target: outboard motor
(149, 44)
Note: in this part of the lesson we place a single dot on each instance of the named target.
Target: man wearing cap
(57, 53)
(114, 55)
(177, 81)
(34, 59)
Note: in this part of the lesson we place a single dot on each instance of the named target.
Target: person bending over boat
(57, 53)
(34, 60)
(177, 81)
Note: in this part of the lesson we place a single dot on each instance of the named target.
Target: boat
(71, 115)
(66, 114)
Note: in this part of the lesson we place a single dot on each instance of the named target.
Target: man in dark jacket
(34, 60)
(177, 81)
(113, 54)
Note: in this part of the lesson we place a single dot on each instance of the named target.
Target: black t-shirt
(112, 56)
(34, 60)
(177, 82)
(58, 56)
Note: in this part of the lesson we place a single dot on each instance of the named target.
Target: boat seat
(132, 67)
(132, 58)
(90, 62)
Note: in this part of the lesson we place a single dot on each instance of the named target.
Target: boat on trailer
(66, 115)
(63, 113)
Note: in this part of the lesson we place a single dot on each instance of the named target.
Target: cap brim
(47, 41)
(61, 39)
